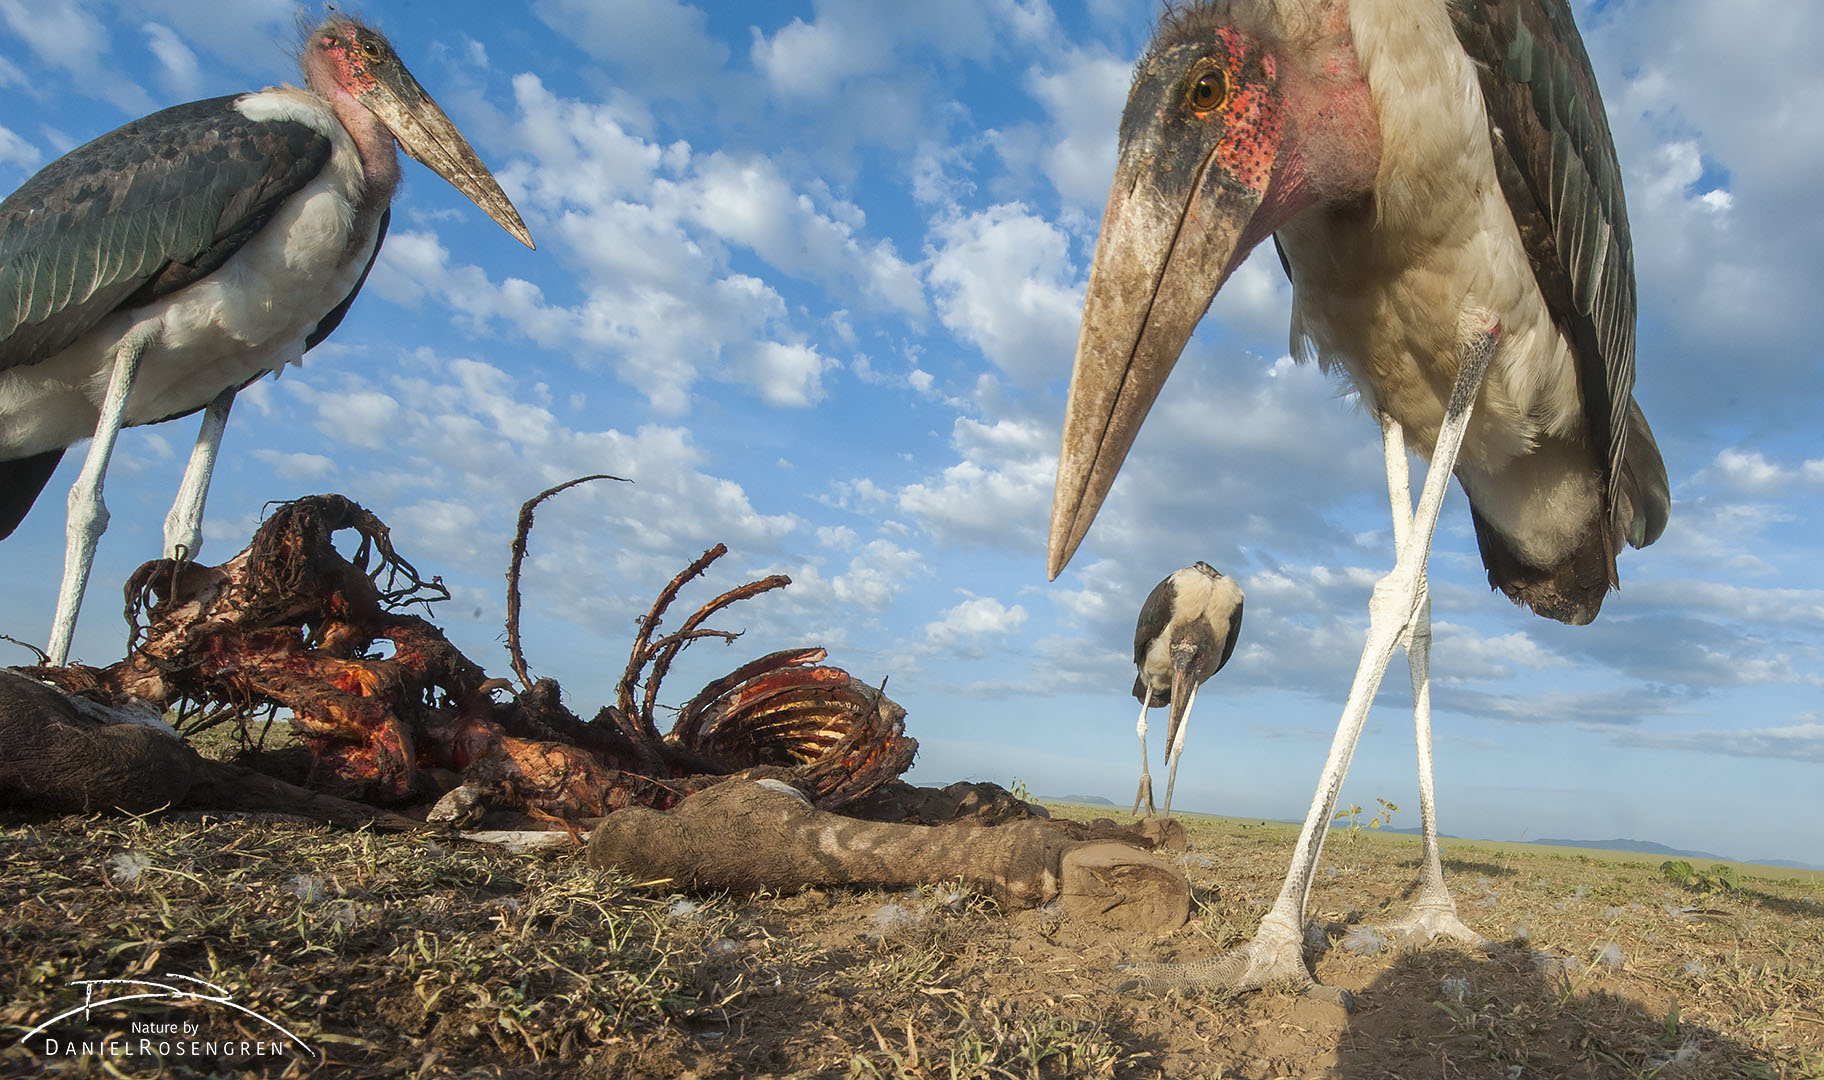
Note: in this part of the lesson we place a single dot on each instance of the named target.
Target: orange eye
(1208, 90)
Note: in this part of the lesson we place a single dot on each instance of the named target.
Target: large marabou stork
(1186, 632)
(167, 264)
(1441, 183)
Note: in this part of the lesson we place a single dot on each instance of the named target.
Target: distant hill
(1648, 847)
(1082, 800)
(1638, 847)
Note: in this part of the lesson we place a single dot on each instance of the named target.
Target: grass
(396, 955)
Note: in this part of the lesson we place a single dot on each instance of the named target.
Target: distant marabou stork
(1185, 634)
(164, 266)
(1442, 186)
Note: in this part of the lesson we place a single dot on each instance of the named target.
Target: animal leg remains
(741, 835)
(184, 524)
(88, 517)
(1276, 954)
(1434, 913)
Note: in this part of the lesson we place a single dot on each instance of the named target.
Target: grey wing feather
(137, 214)
(1556, 162)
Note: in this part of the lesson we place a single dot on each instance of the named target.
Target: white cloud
(1083, 97)
(178, 69)
(998, 496)
(976, 618)
(787, 375)
(1005, 284)
(68, 36)
(302, 467)
(16, 151)
(1749, 471)
(1802, 741)
(662, 44)
(747, 201)
(809, 59)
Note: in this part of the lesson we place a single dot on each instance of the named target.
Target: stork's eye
(371, 50)
(1208, 89)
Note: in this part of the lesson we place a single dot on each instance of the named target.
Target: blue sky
(810, 274)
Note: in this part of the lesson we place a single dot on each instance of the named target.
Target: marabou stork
(1439, 178)
(167, 264)
(1185, 634)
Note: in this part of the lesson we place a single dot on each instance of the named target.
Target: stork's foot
(1275, 958)
(1430, 920)
(1143, 798)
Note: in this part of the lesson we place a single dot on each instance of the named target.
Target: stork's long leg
(88, 515)
(1176, 749)
(1145, 794)
(184, 524)
(1434, 912)
(1276, 954)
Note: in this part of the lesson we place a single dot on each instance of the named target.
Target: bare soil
(405, 955)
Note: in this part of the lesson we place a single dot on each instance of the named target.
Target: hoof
(1167, 834)
(1121, 888)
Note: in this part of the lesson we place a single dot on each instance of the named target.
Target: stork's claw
(1274, 958)
(1430, 920)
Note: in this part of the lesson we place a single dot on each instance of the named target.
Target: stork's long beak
(1174, 229)
(1184, 688)
(426, 133)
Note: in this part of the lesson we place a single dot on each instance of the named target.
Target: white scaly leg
(1434, 913)
(184, 524)
(1276, 954)
(1175, 750)
(88, 515)
(1145, 794)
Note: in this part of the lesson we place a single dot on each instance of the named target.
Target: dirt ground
(401, 955)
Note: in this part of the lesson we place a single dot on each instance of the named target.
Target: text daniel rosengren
(156, 1040)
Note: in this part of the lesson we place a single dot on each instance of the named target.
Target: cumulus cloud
(16, 151)
(178, 69)
(1005, 284)
(69, 37)
(663, 45)
(1750, 472)
(1803, 741)
(973, 619)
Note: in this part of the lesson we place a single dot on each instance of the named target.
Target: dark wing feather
(137, 214)
(1155, 614)
(1556, 162)
(21, 479)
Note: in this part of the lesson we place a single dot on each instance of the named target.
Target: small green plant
(1716, 881)
(1020, 790)
(1353, 815)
